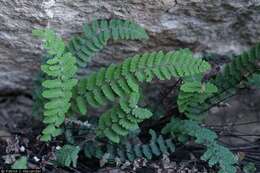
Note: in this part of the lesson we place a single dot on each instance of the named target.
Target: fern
(240, 70)
(215, 153)
(130, 152)
(93, 149)
(67, 155)
(255, 81)
(120, 84)
(120, 120)
(249, 168)
(193, 94)
(57, 88)
(121, 80)
(21, 163)
(97, 33)
(38, 99)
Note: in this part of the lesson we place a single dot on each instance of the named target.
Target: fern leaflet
(121, 119)
(193, 94)
(215, 153)
(157, 146)
(67, 155)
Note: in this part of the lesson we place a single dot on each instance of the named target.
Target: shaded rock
(238, 119)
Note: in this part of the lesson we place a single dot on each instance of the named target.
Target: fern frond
(21, 163)
(254, 81)
(238, 71)
(60, 70)
(98, 32)
(130, 152)
(121, 119)
(120, 80)
(215, 153)
(38, 99)
(192, 94)
(67, 155)
(92, 149)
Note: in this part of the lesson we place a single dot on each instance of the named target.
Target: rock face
(204, 25)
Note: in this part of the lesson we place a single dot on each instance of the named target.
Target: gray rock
(204, 25)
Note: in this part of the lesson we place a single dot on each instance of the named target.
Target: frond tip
(68, 155)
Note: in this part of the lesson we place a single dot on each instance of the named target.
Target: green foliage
(215, 153)
(122, 81)
(67, 155)
(156, 147)
(21, 163)
(193, 94)
(233, 75)
(97, 33)
(255, 81)
(118, 121)
(60, 70)
(119, 86)
(241, 68)
(39, 100)
(249, 168)
(93, 149)
(129, 151)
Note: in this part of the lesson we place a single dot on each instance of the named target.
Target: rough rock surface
(204, 25)
(215, 26)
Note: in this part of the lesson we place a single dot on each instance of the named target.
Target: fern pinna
(215, 154)
(130, 152)
(239, 71)
(97, 33)
(60, 70)
(157, 146)
(122, 81)
(68, 155)
(192, 94)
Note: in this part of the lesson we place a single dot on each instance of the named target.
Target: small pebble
(36, 158)
(22, 148)
(58, 147)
